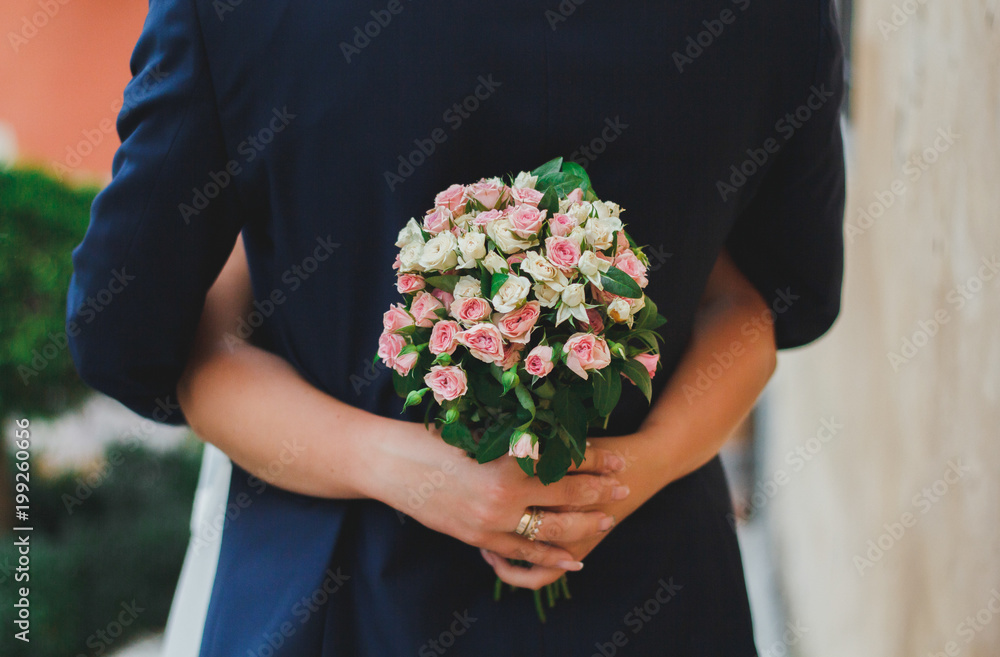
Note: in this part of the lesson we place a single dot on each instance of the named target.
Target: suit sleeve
(161, 230)
(789, 240)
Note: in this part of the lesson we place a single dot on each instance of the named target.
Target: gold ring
(534, 525)
(525, 522)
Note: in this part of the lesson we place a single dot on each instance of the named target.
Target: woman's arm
(257, 409)
(688, 423)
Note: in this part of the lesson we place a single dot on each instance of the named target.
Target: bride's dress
(194, 587)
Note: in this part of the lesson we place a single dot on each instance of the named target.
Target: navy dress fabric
(317, 129)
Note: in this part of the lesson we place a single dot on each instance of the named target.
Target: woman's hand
(688, 423)
(418, 474)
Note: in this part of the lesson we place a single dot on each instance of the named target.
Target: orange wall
(63, 79)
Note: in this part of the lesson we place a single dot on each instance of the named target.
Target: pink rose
(446, 298)
(623, 244)
(397, 263)
(649, 361)
(586, 351)
(562, 252)
(484, 342)
(511, 355)
(629, 263)
(396, 318)
(576, 195)
(452, 198)
(446, 382)
(484, 218)
(524, 447)
(489, 194)
(562, 225)
(406, 283)
(470, 310)
(526, 196)
(516, 325)
(423, 308)
(526, 220)
(539, 361)
(595, 322)
(405, 363)
(389, 346)
(443, 335)
(516, 258)
(438, 220)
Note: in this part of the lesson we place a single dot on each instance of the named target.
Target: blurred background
(865, 484)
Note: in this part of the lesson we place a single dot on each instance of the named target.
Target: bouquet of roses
(523, 311)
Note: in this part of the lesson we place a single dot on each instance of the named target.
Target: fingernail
(616, 463)
(488, 556)
(570, 565)
(588, 443)
(607, 523)
(619, 493)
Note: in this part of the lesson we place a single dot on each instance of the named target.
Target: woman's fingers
(529, 578)
(572, 526)
(512, 546)
(579, 490)
(600, 461)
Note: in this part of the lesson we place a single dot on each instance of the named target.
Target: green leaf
(528, 465)
(527, 401)
(552, 166)
(498, 281)
(576, 170)
(496, 439)
(571, 415)
(444, 282)
(406, 384)
(637, 372)
(458, 435)
(607, 389)
(549, 202)
(618, 282)
(485, 281)
(553, 462)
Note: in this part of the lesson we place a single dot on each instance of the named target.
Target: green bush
(41, 220)
(123, 542)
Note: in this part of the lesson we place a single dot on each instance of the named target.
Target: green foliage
(124, 542)
(41, 220)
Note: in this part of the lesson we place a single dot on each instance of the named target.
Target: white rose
(439, 252)
(547, 296)
(607, 209)
(473, 247)
(543, 271)
(578, 235)
(494, 263)
(620, 311)
(467, 286)
(409, 234)
(579, 211)
(600, 233)
(409, 257)
(635, 305)
(513, 291)
(525, 179)
(502, 233)
(591, 266)
(573, 298)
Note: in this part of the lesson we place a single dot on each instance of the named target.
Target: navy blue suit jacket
(318, 128)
